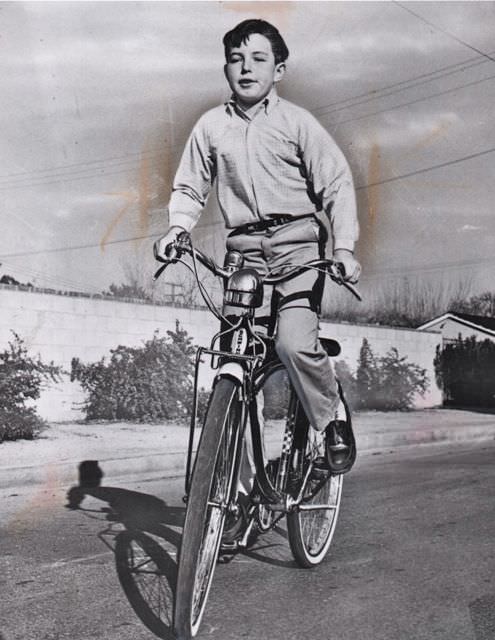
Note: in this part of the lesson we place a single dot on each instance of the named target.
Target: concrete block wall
(61, 327)
(418, 346)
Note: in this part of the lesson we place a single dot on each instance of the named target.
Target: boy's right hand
(160, 246)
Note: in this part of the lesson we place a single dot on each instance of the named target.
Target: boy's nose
(246, 66)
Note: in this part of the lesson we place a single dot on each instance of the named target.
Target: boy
(276, 170)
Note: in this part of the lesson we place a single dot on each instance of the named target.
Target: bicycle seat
(332, 347)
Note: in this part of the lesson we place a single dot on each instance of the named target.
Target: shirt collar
(268, 103)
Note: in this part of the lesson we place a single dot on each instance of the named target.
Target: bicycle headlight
(244, 289)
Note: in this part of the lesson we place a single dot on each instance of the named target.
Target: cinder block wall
(60, 327)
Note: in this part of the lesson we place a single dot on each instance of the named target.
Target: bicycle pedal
(225, 558)
(227, 548)
(320, 470)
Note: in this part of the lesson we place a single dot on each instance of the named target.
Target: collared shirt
(275, 160)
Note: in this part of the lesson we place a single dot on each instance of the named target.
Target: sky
(98, 98)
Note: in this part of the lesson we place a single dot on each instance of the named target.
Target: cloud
(398, 131)
(469, 227)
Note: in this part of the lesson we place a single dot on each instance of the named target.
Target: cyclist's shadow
(140, 526)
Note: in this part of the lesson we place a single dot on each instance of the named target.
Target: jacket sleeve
(193, 180)
(331, 179)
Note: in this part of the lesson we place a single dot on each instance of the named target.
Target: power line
(73, 178)
(358, 188)
(444, 31)
(396, 87)
(385, 93)
(51, 176)
(438, 266)
(427, 169)
(410, 102)
(85, 163)
(80, 174)
(74, 247)
(55, 281)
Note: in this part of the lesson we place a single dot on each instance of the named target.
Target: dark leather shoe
(340, 446)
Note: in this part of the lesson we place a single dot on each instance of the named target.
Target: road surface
(413, 558)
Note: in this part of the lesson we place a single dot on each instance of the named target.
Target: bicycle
(289, 485)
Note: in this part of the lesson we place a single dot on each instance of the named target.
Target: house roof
(482, 323)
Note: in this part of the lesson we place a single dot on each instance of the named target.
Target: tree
(405, 301)
(480, 305)
(131, 290)
(399, 382)
(387, 383)
(465, 371)
(367, 375)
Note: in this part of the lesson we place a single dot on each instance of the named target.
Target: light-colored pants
(296, 338)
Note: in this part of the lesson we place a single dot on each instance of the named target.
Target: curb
(170, 464)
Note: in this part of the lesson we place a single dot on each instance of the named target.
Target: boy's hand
(160, 246)
(352, 268)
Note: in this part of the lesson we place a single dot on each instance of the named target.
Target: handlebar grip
(159, 272)
(340, 269)
(353, 290)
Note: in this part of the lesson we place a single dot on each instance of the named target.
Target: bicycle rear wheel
(208, 500)
(311, 526)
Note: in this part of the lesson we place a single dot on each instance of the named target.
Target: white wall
(60, 327)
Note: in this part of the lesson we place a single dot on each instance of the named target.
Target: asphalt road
(413, 558)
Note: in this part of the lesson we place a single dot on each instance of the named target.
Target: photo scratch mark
(373, 195)
(131, 198)
(142, 199)
(437, 132)
(276, 11)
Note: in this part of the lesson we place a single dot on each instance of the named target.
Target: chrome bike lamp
(244, 289)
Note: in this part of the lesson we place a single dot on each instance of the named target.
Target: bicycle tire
(211, 485)
(310, 532)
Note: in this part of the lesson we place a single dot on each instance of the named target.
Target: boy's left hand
(352, 268)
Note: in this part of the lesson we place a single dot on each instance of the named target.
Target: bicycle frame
(252, 370)
(255, 371)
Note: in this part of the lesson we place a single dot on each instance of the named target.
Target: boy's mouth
(246, 83)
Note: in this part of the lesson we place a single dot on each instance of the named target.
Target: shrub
(21, 380)
(387, 383)
(145, 384)
(465, 371)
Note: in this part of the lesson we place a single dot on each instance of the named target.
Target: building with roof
(453, 324)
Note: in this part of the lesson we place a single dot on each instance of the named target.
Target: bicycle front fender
(231, 370)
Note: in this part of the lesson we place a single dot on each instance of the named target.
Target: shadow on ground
(140, 527)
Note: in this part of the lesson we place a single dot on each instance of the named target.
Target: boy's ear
(279, 71)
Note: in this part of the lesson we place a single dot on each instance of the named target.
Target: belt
(263, 225)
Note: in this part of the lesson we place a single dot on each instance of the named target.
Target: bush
(21, 380)
(387, 383)
(144, 384)
(465, 371)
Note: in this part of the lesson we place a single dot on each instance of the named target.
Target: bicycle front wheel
(208, 500)
(311, 525)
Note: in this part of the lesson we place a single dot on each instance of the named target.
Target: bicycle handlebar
(333, 269)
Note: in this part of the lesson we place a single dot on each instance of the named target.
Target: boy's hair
(243, 30)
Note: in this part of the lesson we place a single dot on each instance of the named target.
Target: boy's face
(251, 70)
